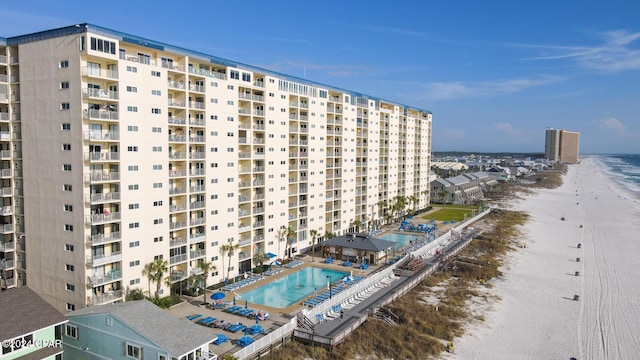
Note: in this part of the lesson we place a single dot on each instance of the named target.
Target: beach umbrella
(234, 300)
(218, 295)
(246, 304)
(257, 320)
(272, 255)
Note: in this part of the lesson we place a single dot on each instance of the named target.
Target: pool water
(401, 240)
(294, 287)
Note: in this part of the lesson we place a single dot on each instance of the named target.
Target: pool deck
(277, 316)
(280, 316)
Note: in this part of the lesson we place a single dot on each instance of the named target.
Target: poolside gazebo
(354, 245)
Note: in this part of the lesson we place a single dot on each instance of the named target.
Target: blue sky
(494, 74)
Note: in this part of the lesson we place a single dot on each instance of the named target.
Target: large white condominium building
(118, 150)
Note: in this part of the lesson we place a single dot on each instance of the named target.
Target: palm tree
(206, 268)
(195, 280)
(280, 234)
(155, 272)
(314, 234)
(229, 249)
(149, 272)
(259, 258)
(289, 234)
(426, 197)
(356, 224)
(413, 200)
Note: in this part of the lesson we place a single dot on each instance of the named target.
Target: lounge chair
(233, 309)
(222, 338)
(204, 320)
(245, 341)
(193, 316)
(245, 312)
(237, 327)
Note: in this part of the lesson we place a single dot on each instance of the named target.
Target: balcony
(196, 155)
(179, 85)
(178, 155)
(197, 221)
(100, 73)
(100, 114)
(101, 156)
(177, 259)
(102, 259)
(197, 205)
(175, 103)
(176, 120)
(7, 246)
(196, 105)
(177, 225)
(197, 253)
(177, 190)
(196, 237)
(107, 297)
(97, 280)
(97, 219)
(177, 242)
(6, 228)
(177, 138)
(102, 197)
(100, 94)
(6, 210)
(101, 135)
(99, 239)
(177, 208)
(177, 173)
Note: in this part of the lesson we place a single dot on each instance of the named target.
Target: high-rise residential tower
(118, 150)
(562, 146)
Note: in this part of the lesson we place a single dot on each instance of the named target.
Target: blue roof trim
(137, 40)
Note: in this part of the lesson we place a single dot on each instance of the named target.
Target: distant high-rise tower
(562, 146)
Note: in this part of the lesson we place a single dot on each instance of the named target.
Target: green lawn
(450, 212)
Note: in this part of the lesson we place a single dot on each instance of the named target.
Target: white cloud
(458, 89)
(615, 126)
(613, 54)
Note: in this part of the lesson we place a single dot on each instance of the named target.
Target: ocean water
(624, 169)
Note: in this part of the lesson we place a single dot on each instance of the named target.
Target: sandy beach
(538, 316)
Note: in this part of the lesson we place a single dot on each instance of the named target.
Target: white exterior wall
(328, 131)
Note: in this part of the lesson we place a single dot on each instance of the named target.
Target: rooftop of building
(177, 335)
(24, 311)
(140, 41)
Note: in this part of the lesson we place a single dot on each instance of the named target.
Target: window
(66, 167)
(156, 92)
(157, 203)
(132, 148)
(71, 330)
(157, 149)
(68, 208)
(155, 73)
(64, 85)
(134, 281)
(134, 187)
(66, 147)
(68, 227)
(156, 111)
(132, 168)
(132, 128)
(71, 287)
(134, 263)
(134, 206)
(214, 117)
(64, 64)
(157, 221)
(158, 239)
(132, 89)
(69, 267)
(132, 108)
(246, 77)
(157, 167)
(105, 46)
(134, 225)
(66, 126)
(66, 187)
(133, 244)
(234, 75)
(65, 106)
(132, 69)
(156, 129)
(157, 185)
(68, 247)
(134, 352)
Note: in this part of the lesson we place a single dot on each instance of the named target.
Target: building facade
(562, 146)
(130, 150)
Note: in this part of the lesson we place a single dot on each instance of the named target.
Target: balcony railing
(102, 73)
(101, 114)
(196, 237)
(100, 94)
(102, 218)
(177, 242)
(198, 253)
(101, 259)
(96, 280)
(6, 228)
(177, 259)
(103, 197)
(107, 297)
(177, 120)
(101, 135)
(98, 239)
(8, 246)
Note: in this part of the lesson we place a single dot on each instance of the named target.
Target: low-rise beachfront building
(463, 189)
(134, 330)
(30, 327)
(362, 247)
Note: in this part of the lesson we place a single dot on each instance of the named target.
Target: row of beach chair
(293, 264)
(242, 283)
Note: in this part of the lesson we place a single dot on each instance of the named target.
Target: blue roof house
(134, 330)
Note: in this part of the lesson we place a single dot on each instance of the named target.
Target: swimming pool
(400, 239)
(293, 288)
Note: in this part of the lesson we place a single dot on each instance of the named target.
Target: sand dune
(538, 317)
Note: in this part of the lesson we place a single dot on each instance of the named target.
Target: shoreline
(538, 317)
